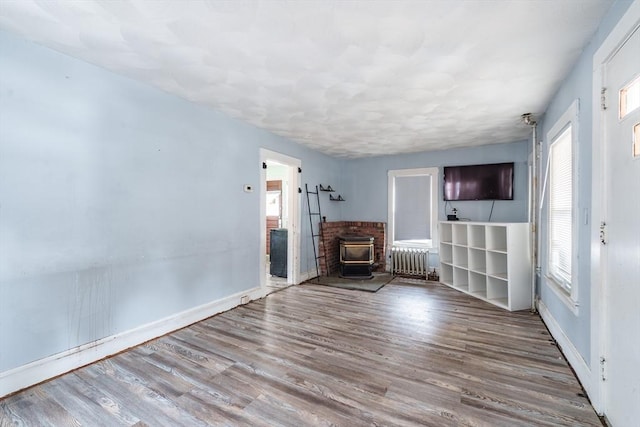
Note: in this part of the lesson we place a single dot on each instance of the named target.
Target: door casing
(293, 200)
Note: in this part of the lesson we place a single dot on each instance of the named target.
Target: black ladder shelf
(318, 235)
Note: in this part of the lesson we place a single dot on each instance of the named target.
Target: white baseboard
(576, 361)
(307, 275)
(43, 369)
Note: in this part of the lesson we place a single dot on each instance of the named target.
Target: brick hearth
(331, 232)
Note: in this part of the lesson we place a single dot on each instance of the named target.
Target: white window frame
(392, 175)
(567, 294)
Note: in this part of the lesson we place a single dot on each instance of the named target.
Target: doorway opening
(279, 219)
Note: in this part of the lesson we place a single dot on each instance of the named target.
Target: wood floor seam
(414, 353)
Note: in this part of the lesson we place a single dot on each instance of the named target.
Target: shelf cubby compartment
(459, 234)
(477, 260)
(476, 236)
(461, 278)
(496, 238)
(498, 291)
(446, 274)
(445, 233)
(460, 256)
(488, 260)
(446, 253)
(477, 284)
(497, 264)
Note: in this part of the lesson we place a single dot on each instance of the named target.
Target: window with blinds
(413, 207)
(561, 209)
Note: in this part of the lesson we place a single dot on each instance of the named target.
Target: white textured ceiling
(348, 78)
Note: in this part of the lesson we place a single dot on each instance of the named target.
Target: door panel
(621, 278)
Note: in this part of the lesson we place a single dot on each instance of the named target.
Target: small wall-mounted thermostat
(248, 188)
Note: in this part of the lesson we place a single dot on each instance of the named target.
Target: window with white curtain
(561, 209)
(562, 202)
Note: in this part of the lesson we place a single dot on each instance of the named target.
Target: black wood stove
(356, 256)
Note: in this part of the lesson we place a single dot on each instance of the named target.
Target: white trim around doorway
(293, 200)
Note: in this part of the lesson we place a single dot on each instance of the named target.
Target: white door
(621, 275)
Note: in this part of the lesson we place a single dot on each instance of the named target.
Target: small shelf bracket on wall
(336, 199)
(328, 188)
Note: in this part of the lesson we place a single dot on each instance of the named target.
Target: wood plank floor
(410, 354)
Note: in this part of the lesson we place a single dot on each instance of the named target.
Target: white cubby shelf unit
(488, 260)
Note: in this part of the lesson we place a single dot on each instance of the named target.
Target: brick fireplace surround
(331, 232)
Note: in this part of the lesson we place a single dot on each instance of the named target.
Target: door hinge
(299, 170)
(603, 232)
(264, 165)
(603, 98)
(602, 363)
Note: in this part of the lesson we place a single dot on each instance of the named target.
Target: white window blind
(412, 208)
(560, 209)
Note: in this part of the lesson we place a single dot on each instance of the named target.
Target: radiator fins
(409, 261)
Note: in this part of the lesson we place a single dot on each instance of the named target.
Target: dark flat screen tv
(479, 182)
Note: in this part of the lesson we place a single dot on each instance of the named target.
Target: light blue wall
(577, 85)
(120, 204)
(366, 184)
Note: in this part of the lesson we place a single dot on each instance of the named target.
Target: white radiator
(410, 261)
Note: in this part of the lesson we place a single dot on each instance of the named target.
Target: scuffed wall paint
(119, 204)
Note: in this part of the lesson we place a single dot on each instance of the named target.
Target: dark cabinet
(278, 252)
